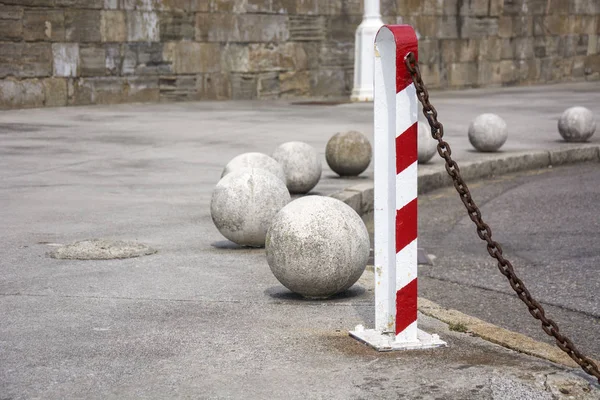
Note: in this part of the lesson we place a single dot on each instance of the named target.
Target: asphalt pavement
(203, 318)
(547, 223)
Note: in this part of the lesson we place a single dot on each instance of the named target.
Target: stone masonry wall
(74, 52)
(470, 43)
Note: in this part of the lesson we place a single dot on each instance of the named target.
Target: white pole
(371, 9)
(395, 127)
(385, 182)
(363, 51)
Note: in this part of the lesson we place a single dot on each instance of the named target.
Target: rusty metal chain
(483, 230)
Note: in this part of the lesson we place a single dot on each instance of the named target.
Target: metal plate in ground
(101, 249)
(387, 342)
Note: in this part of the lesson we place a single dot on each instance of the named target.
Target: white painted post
(363, 51)
(395, 121)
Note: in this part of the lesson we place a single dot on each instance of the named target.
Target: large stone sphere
(317, 246)
(427, 146)
(255, 160)
(348, 153)
(488, 132)
(301, 165)
(244, 203)
(576, 124)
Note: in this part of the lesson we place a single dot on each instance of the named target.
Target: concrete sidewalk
(204, 318)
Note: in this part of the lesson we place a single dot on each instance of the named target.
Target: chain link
(483, 230)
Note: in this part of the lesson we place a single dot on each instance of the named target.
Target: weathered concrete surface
(244, 203)
(254, 160)
(488, 132)
(317, 246)
(301, 164)
(204, 317)
(577, 124)
(426, 145)
(101, 249)
(348, 153)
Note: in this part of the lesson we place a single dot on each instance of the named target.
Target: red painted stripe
(406, 225)
(406, 306)
(406, 41)
(406, 149)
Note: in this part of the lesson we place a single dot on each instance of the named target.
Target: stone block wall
(472, 43)
(75, 52)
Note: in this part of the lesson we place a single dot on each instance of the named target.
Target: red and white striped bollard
(395, 153)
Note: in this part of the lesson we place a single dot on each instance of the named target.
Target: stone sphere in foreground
(244, 203)
(301, 165)
(348, 153)
(488, 132)
(254, 160)
(317, 246)
(577, 124)
(427, 146)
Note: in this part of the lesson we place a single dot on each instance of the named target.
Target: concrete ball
(488, 132)
(301, 165)
(348, 153)
(254, 160)
(244, 203)
(427, 146)
(577, 124)
(317, 246)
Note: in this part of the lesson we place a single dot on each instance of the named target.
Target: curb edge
(497, 335)
(360, 197)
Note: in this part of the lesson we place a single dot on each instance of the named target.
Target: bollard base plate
(387, 341)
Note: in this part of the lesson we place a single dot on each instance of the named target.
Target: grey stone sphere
(348, 153)
(301, 165)
(317, 246)
(254, 160)
(488, 132)
(576, 124)
(244, 203)
(426, 145)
